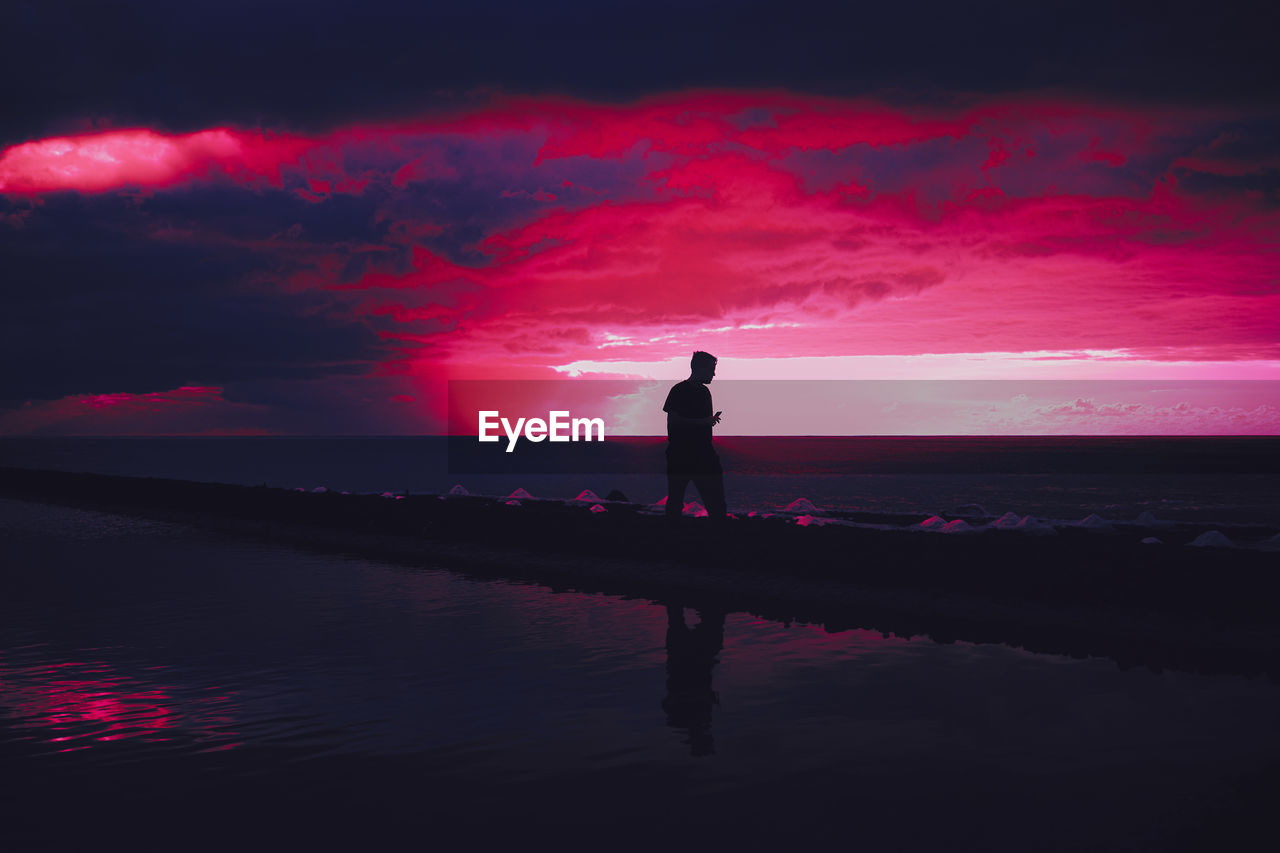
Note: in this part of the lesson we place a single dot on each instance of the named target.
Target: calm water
(1224, 480)
(171, 689)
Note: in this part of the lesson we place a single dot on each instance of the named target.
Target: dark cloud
(218, 282)
(290, 273)
(95, 303)
(308, 64)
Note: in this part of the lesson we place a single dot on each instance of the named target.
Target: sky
(287, 218)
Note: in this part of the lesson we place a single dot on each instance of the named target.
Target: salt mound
(933, 522)
(598, 508)
(1034, 526)
(387, 495)
(1008, 521)
(1146, 519)
(459, 490)
(805, 520)
(588, 495)
(1151, 540)
(662, 502)
(695, 509)
(957, 526)
(512, 503)
(319, 490)
(971, 511)
(1094, 522)
(518, 494)
(803, 505)
(1212, 539)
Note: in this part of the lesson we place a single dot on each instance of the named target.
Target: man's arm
(677, 418)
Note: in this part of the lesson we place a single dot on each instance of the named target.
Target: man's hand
(711, 420)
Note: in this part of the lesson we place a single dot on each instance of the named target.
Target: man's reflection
(691, 653)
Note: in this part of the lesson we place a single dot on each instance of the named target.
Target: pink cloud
(396, 400)
(141, 157)
(1085, 416)
(188, 410)
(771, 224)
(539, 195)
(738, 242)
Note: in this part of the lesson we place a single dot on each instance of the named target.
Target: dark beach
(1079, 592)
(209, 665)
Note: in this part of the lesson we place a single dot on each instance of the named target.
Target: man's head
(702, 366)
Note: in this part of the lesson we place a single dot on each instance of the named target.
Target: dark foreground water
(168, 689)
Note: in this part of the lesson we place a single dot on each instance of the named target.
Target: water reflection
(75, 704)
(82, 700)
(360, 688)
(691, 656)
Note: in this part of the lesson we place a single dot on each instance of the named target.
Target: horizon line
(653, 436)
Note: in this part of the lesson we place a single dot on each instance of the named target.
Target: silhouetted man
(690, 455)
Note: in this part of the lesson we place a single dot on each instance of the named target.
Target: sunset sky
(305, 218)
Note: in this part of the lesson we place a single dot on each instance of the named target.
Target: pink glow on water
(75, 702)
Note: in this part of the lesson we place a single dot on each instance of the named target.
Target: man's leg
(676, 484)
(711, 489)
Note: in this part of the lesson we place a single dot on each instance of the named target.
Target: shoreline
(1080, 593)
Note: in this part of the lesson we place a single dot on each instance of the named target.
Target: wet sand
(1080, 592)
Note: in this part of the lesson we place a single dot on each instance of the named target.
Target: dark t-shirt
(692, 399)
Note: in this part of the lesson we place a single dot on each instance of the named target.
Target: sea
(170, 688)
(1229, 480)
